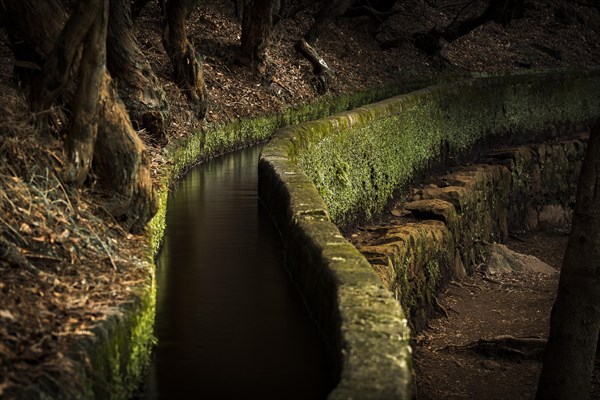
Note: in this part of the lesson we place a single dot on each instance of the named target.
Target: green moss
(380, 147)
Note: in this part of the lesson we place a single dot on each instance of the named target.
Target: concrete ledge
(355, 161)
(363, 325)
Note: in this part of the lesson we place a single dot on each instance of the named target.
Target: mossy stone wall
(110, 363)
(446, 224)
(358, 160)
(345, 169)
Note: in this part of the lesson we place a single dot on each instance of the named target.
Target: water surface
(230, 324)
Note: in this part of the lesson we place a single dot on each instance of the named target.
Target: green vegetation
(348, 166)
(357, 160)
(219, 139)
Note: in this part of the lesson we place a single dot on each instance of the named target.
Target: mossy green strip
(357, 160)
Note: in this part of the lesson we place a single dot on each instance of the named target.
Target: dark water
(230, 324)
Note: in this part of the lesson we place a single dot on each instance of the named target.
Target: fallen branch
(321, 70)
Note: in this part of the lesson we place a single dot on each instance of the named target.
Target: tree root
(321, 70)
(507, 346)
(436, 302)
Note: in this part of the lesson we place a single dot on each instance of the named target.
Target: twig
(41, 257)
(277, 81)
(467, 5)
(441, 307)
(112, 262)
(513, 236)
(66, 196)
(485, 278)
(21, 238)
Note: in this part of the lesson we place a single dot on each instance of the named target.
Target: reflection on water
(230, 324)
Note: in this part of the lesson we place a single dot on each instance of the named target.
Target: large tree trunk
(123, 162)
(330, 10)
(138, 86)
(501, 11)
(256, 28)
(187, 69)
(575, 322)
(84, 123)
(125, 170)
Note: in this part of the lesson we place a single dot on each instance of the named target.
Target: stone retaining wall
(442, 230)
(346, 168)
(110, 363)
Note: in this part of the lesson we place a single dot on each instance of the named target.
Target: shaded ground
(516, 304)
(74, 265)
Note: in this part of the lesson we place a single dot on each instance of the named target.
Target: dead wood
(322, 72)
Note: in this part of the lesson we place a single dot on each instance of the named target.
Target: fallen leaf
(7, 315)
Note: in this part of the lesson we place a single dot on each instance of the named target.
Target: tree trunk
(187, 69)
(501, 11)
(63, 60)
(123, 163)
(256, 27)
(328, 13)
(575, 322)
(84, 124)
(138, 86)
(321, 71)
(119, 155)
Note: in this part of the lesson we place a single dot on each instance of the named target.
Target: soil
(72, 264)
(515, 304)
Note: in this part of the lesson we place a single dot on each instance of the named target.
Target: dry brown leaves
(68, 269)
(76, 269)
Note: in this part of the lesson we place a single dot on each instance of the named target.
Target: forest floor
(516, 304)
(74, 265)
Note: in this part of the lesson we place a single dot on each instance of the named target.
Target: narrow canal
(230, 324)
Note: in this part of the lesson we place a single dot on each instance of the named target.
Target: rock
(432, 209)
(502, 259)
(458, 268)
(492, 365)
(552, 216)
(531, 219)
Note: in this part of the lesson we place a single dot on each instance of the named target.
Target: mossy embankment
(335, 172)
(121, 348)
(109, 362)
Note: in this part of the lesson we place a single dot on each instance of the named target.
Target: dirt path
(516, 304)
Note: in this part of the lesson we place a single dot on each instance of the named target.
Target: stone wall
(110, 363)
(442, 230)
(345, 169)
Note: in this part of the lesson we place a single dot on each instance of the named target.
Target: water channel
(230, 324)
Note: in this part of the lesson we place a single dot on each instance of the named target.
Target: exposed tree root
(506, 346)
(320, 68)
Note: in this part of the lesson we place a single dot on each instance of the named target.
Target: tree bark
(60, 65)
(575, 320)
(305, 46)
(187, 69)
(123, 163)
(256, 27)
(138, 86)
(330, 10)
(501, 11)
(81, 139)
(119, 156)
(321, 71)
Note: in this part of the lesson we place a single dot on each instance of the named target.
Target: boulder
(501, 259)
